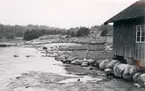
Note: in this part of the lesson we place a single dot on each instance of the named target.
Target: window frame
(140, 34)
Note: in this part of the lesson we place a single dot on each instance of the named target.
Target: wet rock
(16, 56)
(30, 56)
(108, 71)
(27, 86)
(103, 64)
(77, 62)
(44, 48)
(78, 80)
(112, 63)
(136, 77)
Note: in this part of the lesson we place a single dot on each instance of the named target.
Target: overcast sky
(60, 13)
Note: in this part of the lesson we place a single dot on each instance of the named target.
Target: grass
(96, 52)
(95, 55)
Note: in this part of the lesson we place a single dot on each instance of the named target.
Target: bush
(83, 31)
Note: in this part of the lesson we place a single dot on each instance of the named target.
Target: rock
(126, 74)
(136, 76)
(118, 69)
(130, 61)
(137, 85)
(69, 60)
(96, 63)
(85, 64)
(141, 79)
(16, 56)
(44, 48)
(91, 68)
(112, 63)
(61, 58)
(133, 70)
(129, 71)
(90, 61)
(124, 70)
(108, 71)
(78, 79)
(77, 62)
(103, 64)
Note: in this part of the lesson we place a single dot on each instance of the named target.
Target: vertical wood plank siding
(124, 41)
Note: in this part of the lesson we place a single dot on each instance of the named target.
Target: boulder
(141, 79)
(136, 76)
(85, 64)
(129, 71)
(126, 74)
(112, 63)
(130, 61)
(96, 63)
(118, 69)
(77, 62)
(103, 64)
(108, 71)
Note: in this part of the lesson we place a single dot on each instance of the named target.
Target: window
(140, 34)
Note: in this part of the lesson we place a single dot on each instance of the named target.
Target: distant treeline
(34, 31)
(10, 32)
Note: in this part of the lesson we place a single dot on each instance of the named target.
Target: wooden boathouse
(129, 33)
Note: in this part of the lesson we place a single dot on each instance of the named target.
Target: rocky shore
(42, 66)
(112, 67)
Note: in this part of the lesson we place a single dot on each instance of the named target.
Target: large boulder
(77, 62)
(136, 77)
(129, 71)
(124, 70)
(141, 80)
(103, 64)
(118, 69)
(112, 63)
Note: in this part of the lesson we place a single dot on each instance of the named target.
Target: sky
(60, 13)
